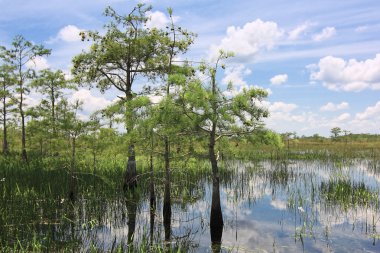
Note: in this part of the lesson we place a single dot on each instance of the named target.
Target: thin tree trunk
(52, 140)
(94, 159)
(73, 151)
(24, 156)
(23, 134)
(5, 141)
(53, 110)
(41, 147)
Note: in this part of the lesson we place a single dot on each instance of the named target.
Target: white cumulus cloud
(91, 103)
(282, 107)
(279, 79)
(248, 40)
(326, 33)
(38, 63)
(299, 30)
(158, 19)
(352, 75)
(69, 33)
(369, 112)
(30, 100)
(235, 74)
(330, 107)
(343, 117)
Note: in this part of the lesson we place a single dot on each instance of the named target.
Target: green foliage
(266, 137)
(335, 132)
(210, 108)
(124, 52)
(8, 101)
(22, 53)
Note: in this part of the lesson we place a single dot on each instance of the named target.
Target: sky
(319, 60)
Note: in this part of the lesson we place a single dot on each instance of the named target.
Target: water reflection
(216, 217)
(152, 197)
(131, 201)
(278, 207)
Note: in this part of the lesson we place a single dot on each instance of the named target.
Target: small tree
(95, 138)
(218, 116)
(347, 134)
(74, 127)
(37, 130)
(110, 114)
(116, 59)
(176, 41)
(7, 83)
(335, 132)
(50, 84)
(288, 136)
(22, 53)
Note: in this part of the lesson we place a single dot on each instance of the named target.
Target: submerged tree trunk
(130, 178)
(167, 209)
(216, 217)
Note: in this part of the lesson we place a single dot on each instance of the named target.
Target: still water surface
(298, 206)
(267, 207)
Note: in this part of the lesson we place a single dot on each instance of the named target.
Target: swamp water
(297, 206)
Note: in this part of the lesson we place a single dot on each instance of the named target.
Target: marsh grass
(347, 194)
(308, 149)
(37, 214)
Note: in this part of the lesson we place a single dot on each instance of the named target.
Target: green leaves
(239, 113)
(23, 51)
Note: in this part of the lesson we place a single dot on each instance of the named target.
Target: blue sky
(320, 60)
